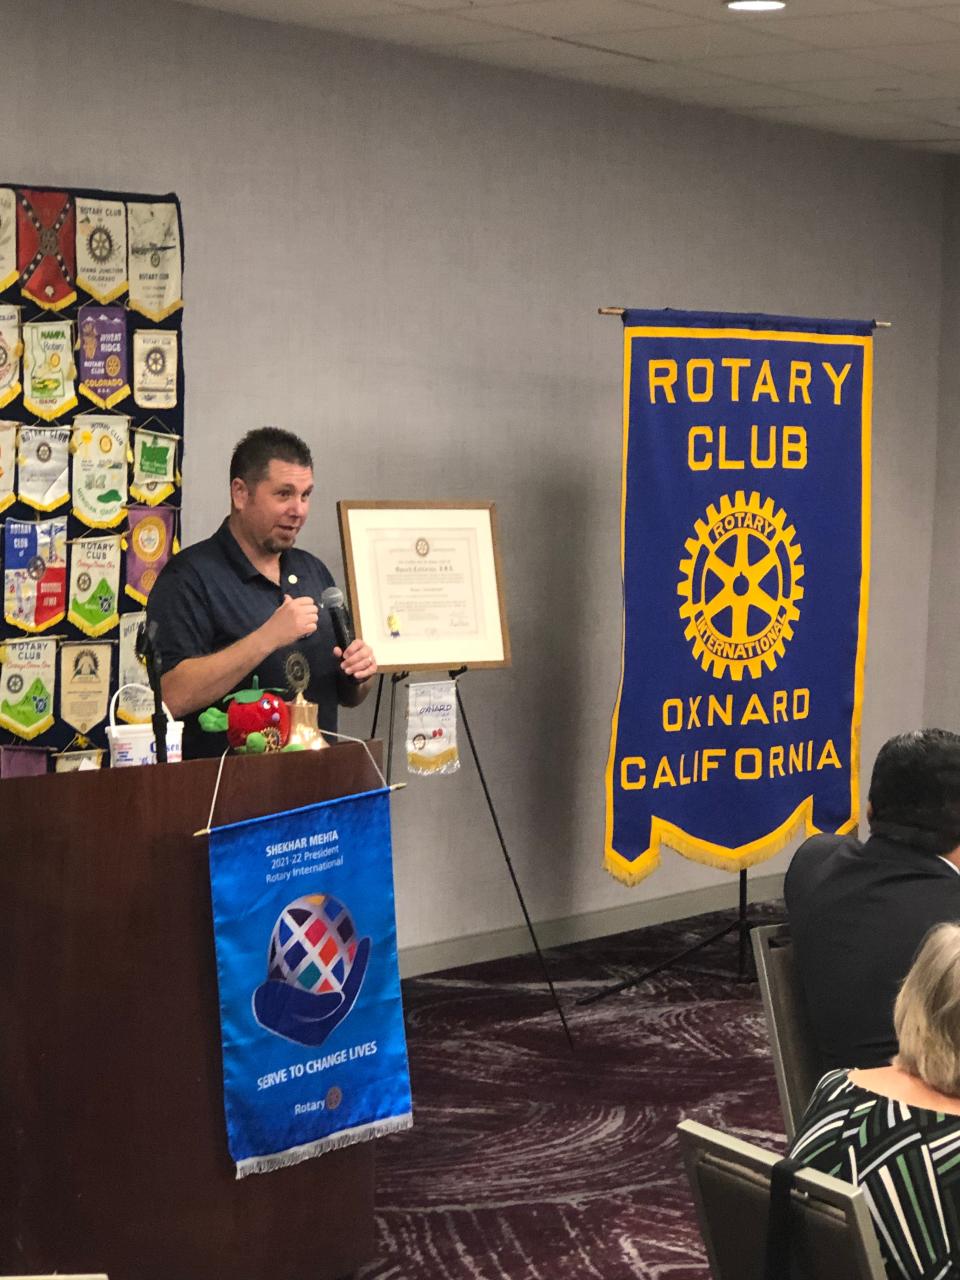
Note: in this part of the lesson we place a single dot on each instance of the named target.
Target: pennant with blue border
(745, 538)
(314, 1052)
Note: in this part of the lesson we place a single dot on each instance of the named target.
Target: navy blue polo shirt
(210, 595)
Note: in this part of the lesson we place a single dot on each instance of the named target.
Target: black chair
(796, 1061)
(831, 1236)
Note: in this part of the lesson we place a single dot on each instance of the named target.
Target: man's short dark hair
(254, 453)
(915, 790)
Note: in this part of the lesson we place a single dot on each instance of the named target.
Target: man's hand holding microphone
(298, 617)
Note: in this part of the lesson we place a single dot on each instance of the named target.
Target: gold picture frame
(424, 583)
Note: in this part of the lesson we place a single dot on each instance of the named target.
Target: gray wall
(400, 257)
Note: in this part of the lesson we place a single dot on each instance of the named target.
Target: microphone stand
(147, 650)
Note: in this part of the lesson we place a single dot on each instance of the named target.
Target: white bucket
(133, 744)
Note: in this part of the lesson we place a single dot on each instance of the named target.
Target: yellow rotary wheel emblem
(740, 586)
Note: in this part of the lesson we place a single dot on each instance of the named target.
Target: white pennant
(84, 684)
(8, 463)
(135, 704)
(153, 246)
(48, 368)
(11, 350)
(8, 237)
(155, 368)
(102, 248)
(44, 460)
(94, 584)
(27, 675)
(99, 445)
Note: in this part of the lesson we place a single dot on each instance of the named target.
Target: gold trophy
(304, 726)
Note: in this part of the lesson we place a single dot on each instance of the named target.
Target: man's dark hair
(915, 790)
(254, 453)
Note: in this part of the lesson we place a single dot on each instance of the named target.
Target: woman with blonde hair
(895, 1130)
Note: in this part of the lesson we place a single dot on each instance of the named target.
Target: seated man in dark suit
(859, 912)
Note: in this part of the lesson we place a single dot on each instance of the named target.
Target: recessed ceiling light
(756, 6)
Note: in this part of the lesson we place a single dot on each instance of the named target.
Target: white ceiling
(885, 69)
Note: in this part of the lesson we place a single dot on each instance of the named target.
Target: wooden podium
(112, 1136)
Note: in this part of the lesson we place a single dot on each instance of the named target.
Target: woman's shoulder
(826, 1112)
(840, 1104)
(833, 1085)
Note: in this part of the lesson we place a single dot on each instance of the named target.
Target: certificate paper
(424, 584)
(427, 587)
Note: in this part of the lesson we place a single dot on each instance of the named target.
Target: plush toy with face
(256, 720)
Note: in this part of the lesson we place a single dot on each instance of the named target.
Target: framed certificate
(424, 583)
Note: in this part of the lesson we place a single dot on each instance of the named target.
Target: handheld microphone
(145, 645)
(332, 600)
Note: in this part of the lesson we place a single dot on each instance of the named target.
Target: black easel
(397, 678)
(741, 924)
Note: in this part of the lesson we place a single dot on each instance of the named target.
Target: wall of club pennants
(91, 449)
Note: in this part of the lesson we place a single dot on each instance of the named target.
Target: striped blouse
(907, 1160)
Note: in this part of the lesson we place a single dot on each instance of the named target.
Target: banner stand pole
(741, 924)
(619, 311)
(455, 677)
(376, 706)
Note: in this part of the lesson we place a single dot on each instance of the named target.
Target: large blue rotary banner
(314, 1053)
(745, 558)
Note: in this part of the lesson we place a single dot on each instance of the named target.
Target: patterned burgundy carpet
(527, 1162)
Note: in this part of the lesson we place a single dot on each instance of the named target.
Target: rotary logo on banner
(8, 463)
(103, 355)
(154, 466)
(44, 462)
(314, 1053)
(154, 259)
(102, 248)
(84, 684)
(150, 542)
(155, 368)
(745, 538)
(99, 445)
(35, 573)
(95, 584)
(48, 368)
(27, 675)
(46, 248)
(8, 238)
(11, 350)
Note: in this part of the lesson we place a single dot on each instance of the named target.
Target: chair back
(796, 1061)
(832, 1236)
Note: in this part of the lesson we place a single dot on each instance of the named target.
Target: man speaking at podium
(245, 602)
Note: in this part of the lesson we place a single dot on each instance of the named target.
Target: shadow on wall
(554, 632)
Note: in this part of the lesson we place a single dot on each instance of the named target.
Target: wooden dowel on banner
(619, 311)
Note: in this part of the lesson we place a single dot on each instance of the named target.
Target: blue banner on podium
(314, 1052)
